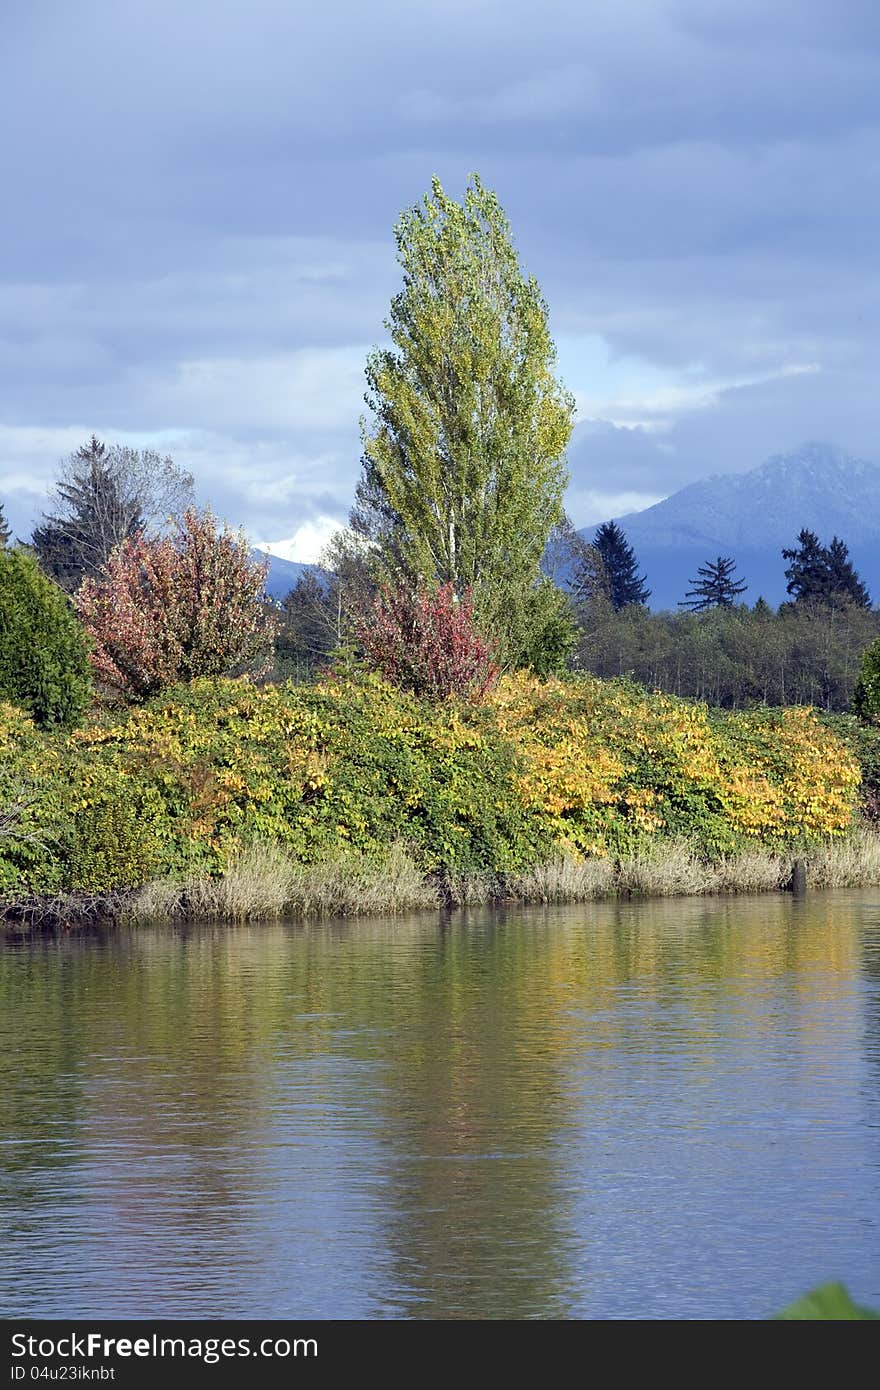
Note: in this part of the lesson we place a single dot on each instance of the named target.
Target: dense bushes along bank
(352, 795)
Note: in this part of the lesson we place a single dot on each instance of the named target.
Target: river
(660, 1109)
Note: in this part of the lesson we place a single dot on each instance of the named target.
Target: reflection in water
(661, 1109)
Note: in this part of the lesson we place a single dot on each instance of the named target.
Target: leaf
(830, 1303)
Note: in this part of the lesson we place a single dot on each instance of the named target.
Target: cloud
(311, 391)
(557, 92)
(201, 248)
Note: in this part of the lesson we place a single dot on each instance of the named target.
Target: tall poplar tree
(463, 468)
(5, 532)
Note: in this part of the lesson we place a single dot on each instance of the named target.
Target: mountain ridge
(752, 515)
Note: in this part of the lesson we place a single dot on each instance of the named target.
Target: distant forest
(716, 649)
(719, 649)
(803, 654)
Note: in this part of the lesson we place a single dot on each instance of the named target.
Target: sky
(196, 248)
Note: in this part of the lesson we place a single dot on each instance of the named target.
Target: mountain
(283, 574)
(753, 515)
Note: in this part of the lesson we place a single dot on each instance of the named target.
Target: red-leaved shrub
(427, 642)
(175, 608)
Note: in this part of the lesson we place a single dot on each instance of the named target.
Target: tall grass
(753, 871)
(264, 881)
(852, 862)
(564, 879)
(667, 869)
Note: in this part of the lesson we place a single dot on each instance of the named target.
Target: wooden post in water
(798, 881)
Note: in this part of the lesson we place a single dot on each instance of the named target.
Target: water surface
(664, 1109)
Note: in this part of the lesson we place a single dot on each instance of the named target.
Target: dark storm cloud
(197, 250)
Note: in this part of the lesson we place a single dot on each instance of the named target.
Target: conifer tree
(823, 574)
(844, 583)
(463, 467)
(807, 573)
(310, 624)
(626, 587)
(715, 587)
(103, 495)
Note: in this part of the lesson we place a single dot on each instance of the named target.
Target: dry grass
(564, 879)
(755, 871)
(853, 862)
(357, 886)
(157, 901)
(665, 870)
(264, 882)
(469, 889)
(672, 869)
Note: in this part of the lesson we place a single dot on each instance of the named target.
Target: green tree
(866, 697)
(823, 574)
(311, 623)
(845, 584)
(5, 533)
(463, 468)
(44, 661)
(625, 585)
(102, 496)
(716, 586)
(807, 572)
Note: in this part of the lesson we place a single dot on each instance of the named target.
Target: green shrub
(44, 664)
(866, 698)
(112, 837)
(864, 741)
(474, 794)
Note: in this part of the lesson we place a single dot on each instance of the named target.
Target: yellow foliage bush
(603, 763)
(600, 769)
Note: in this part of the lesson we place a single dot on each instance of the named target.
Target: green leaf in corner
(831, 1302)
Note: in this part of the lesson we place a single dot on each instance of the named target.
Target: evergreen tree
(715, 587)
(94, 514)
(844, 583)
(102, 496)
(823, 574)
(44, 655)
(463, 467)
(5, 533)
(626, 586)
(807, 574)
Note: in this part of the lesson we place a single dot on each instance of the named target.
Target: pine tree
(844, 583)
(626, 587)
(463, 468)
(5, 532)
(102, 496)
(310, 621)
(94, 515)
(715, 587)
(807, 575)
(823, 574)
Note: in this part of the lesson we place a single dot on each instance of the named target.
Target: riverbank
(264, 883)
(227, 800)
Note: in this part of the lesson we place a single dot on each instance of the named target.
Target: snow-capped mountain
(753, 515)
